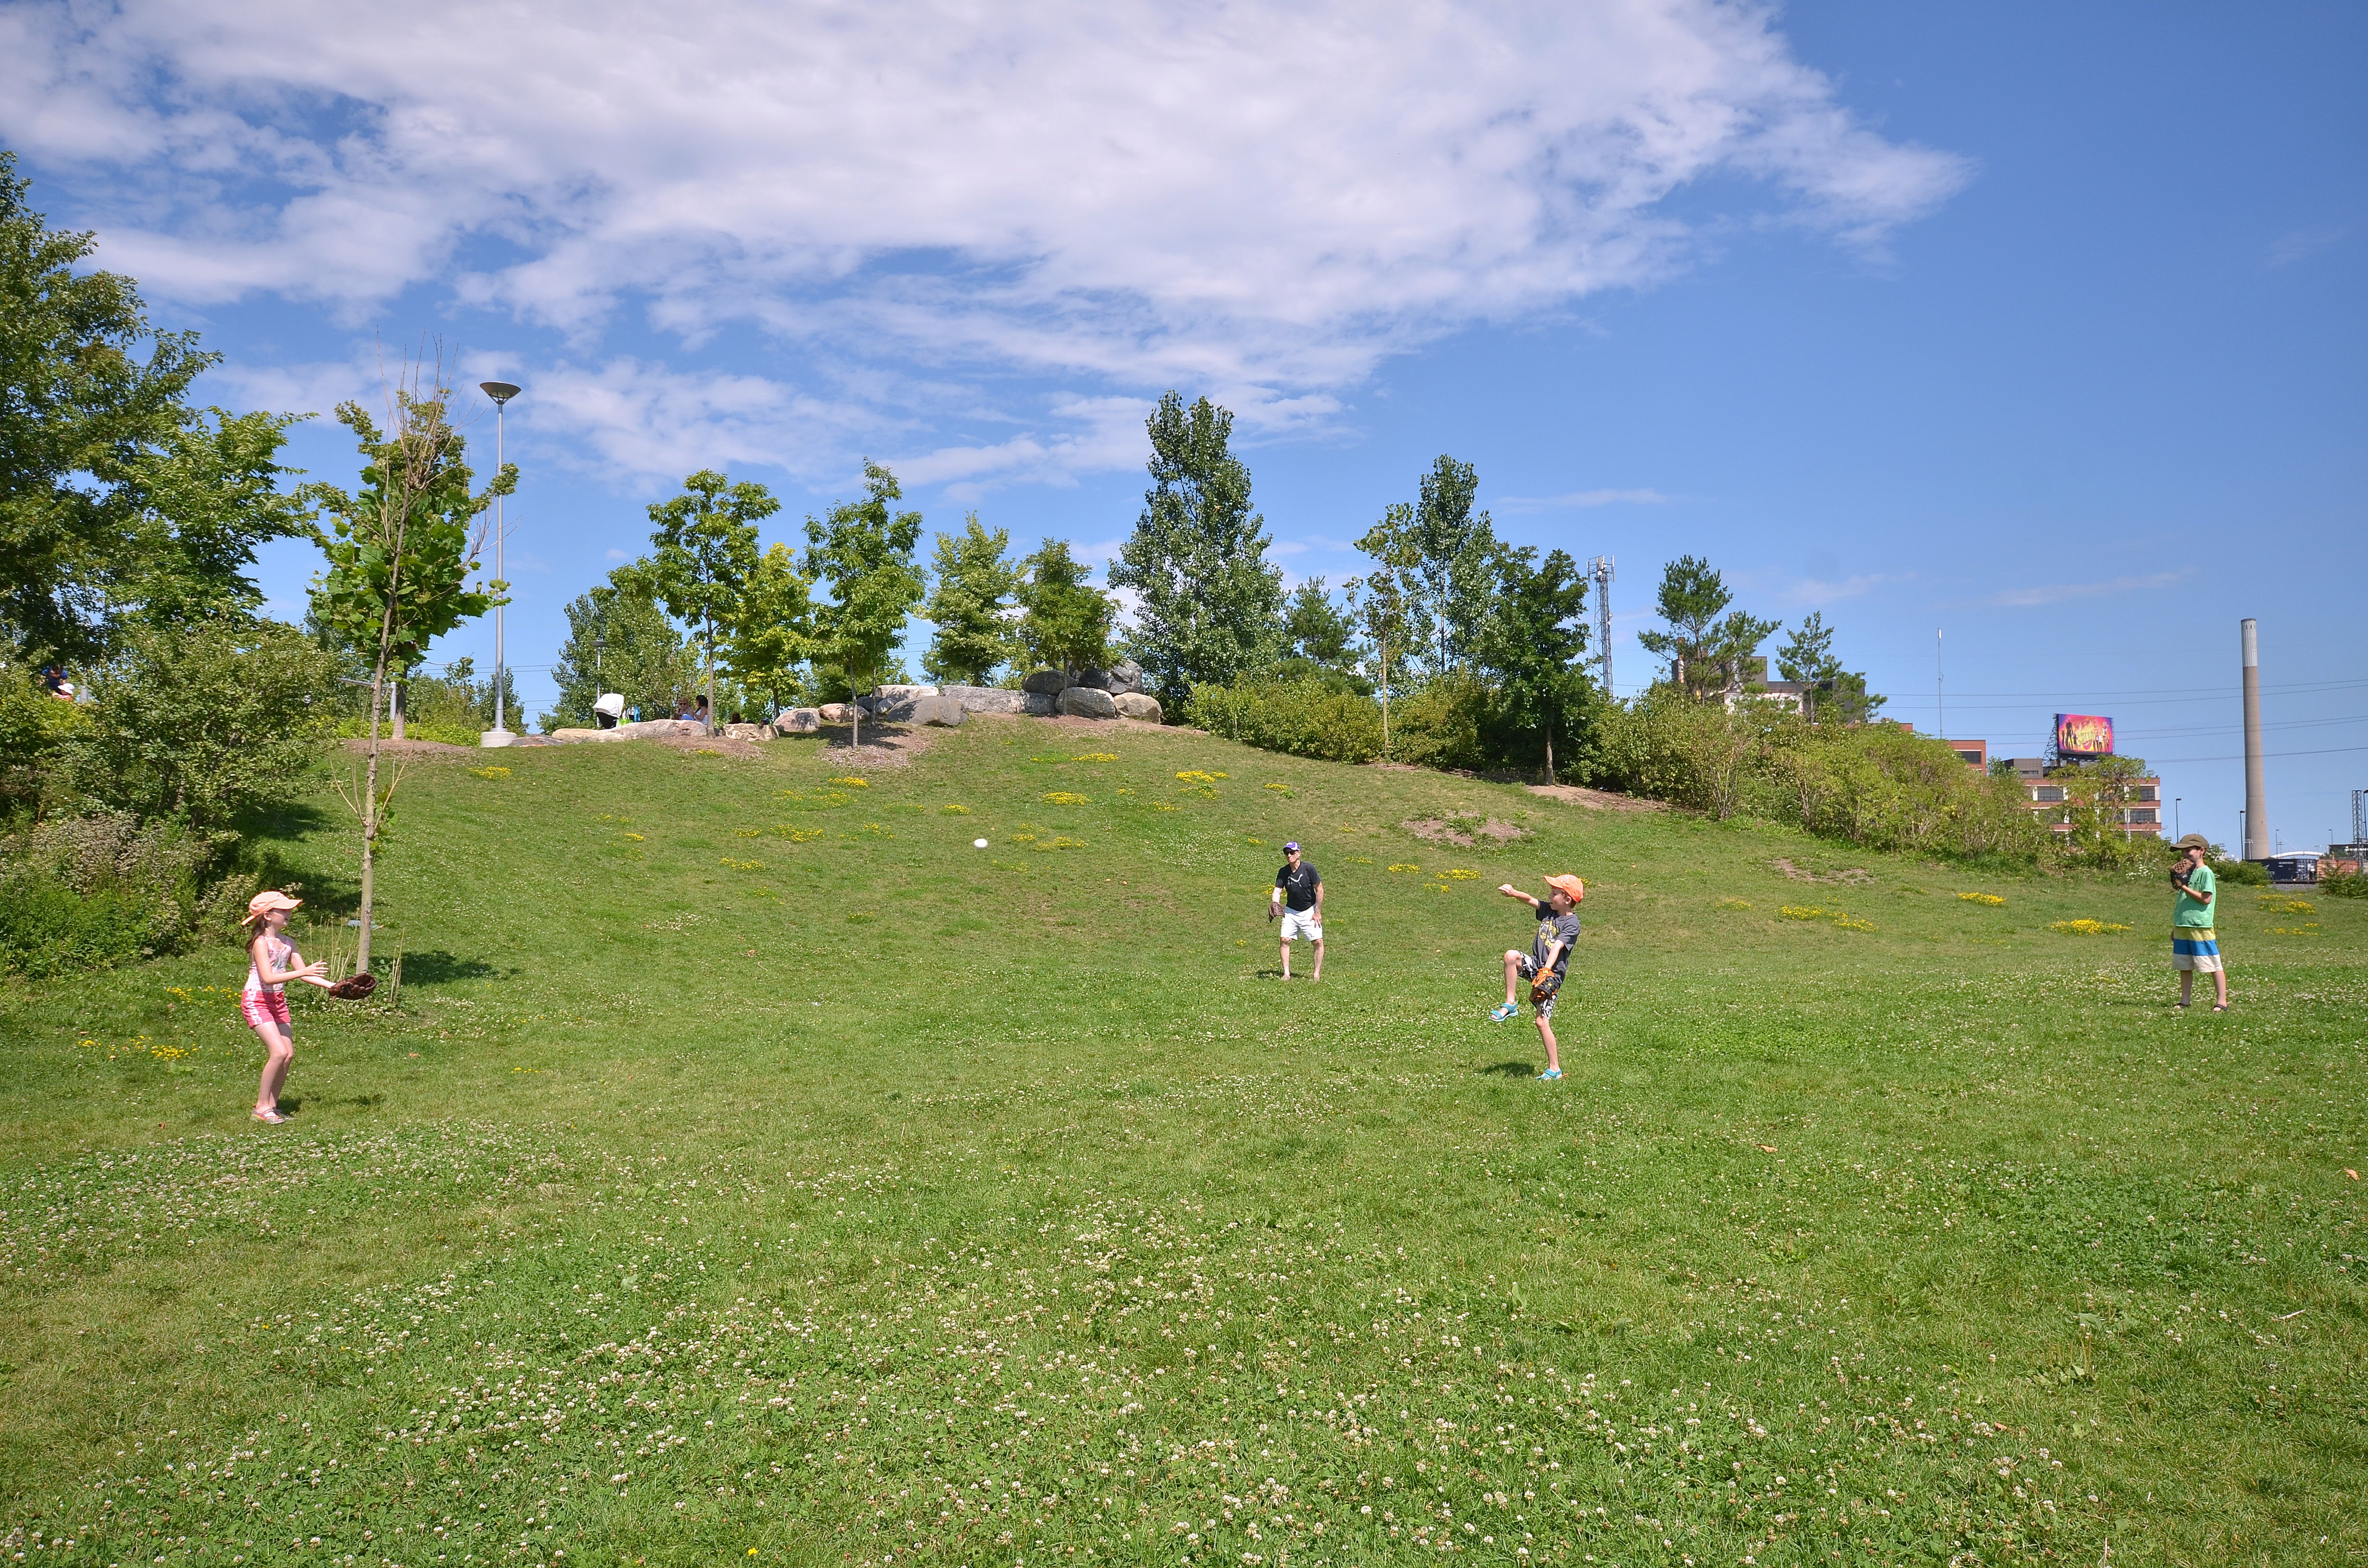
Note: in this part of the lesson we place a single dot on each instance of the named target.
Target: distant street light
(501, 392)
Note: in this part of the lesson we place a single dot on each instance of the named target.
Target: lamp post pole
(501, 392)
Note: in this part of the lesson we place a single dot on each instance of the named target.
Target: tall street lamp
(501, 392)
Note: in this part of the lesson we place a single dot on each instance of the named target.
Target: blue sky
(2040, 327)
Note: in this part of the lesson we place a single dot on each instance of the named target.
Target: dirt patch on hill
(413, 750)
(1596, 799)
(1466, 831)
(1849, 877)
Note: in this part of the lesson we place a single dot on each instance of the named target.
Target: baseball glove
(353, 988)
(1543, 985)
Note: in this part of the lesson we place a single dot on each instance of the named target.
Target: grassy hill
(753, 1169)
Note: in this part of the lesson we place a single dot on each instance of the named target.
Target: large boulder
(987, 698)
(796, 721)
(1135, 705)
(939, 710)
(1125, 677)
(748, 732)
(837, 712)
(1084, 702)
(895, 702)
(1047, 683)
(1037, 705)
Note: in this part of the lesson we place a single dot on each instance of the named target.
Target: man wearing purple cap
(1299, 899)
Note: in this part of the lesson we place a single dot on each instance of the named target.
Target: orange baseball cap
(263, 903)
(1569, 884)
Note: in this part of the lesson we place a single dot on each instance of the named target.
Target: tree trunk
(370, 813)
(399, 689)
(711, 673)
(1549, 772)
(1384, 642)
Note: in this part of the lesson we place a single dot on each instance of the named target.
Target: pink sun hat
(263, 903)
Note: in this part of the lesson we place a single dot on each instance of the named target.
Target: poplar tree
(1208, 605)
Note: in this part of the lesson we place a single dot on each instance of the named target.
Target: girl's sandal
(270, 1115)
(2220, 1008)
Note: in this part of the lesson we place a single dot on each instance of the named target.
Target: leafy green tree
(620, 640)
(1454, 560)
(865, 551)
(401, 552)
(1381, 606)
(1208, 605)
(1533, 643)
(116, 500)
(971, 606)
(1066, 623)
(706, 552)
(773, 632)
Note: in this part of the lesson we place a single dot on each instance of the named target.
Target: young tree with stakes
(400, 550)
(706, 543)
(865, 551)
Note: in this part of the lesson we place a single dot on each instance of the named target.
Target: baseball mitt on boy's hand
(353, 988)
(1543, 986)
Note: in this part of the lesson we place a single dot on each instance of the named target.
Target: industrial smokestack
(2257, 803)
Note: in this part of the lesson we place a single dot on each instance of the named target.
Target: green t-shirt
(2188, 909)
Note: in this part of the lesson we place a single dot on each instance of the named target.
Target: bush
(2344, 884)
(1876, 786)
(201, 723)
(1302, 718)
(2244, 874)
(33, 727)
(83, 893)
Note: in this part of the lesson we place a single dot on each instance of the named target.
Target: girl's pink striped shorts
(260, 1007)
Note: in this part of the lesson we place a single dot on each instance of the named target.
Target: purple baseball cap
(1291, 849)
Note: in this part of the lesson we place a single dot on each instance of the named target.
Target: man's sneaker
(1501, 1012)
(1550, 1075)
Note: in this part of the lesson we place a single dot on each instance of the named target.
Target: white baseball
(978, 844)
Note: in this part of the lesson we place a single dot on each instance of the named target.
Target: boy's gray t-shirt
(1552, 929)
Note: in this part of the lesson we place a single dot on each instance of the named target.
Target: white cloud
(1577, 499)
(2056, 592)
(1259, 201)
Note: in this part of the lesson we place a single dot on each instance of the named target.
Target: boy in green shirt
(2194, 945)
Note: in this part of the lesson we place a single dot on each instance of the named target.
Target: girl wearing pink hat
(272, 962)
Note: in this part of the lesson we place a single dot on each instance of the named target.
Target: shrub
(1302, 718)
(2344, 884)
(1876, 786)
(2243, 873)
(82, 893)
(201, 723)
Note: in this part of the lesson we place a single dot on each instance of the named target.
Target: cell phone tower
(1601, 570)
(2360, 816)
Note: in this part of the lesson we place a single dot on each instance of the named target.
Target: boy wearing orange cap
(1547, 960)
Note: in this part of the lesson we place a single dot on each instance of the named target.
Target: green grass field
(751, 1170)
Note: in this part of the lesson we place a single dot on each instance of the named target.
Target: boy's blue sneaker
(1501, 1012)
(1550, 1075)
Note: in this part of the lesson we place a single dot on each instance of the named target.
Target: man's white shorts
(1298, 923)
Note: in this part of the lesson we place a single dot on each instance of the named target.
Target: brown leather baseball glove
(353, 988)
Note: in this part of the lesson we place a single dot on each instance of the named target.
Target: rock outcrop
(1046, 683)
(797, 721)
(1087, 702)
(1135, 705)
(648, 728)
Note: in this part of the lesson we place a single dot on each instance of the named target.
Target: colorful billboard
(2083, 734)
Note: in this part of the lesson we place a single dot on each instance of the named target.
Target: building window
(2048, 792)
(2146, 792)
(2143, 816)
